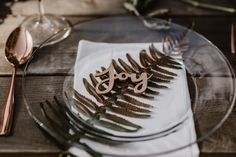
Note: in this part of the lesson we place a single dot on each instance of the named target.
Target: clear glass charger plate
(211, 80)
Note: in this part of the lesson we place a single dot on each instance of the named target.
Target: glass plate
(210, 80)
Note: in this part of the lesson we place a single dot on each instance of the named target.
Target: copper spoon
(18, 50)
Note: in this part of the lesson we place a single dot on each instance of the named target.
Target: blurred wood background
(28, 140)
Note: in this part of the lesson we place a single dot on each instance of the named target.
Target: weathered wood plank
(72, 7)
(216, 30)
(28, 139)
(224, 139)
(26, 136)
(29, 154)
(67, 50)
(108, 7)
(217, 155)
(9, 25)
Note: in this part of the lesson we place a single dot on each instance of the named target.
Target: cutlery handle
(6, 121)
(81, 149)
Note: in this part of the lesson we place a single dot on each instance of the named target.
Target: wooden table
(28, 140)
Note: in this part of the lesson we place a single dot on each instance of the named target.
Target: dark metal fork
(62, 128)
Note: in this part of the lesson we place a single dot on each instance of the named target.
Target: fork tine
(92, 105)
(55, 112)
(82, 106)
(62, 136)
(62, 114)
(56, 126)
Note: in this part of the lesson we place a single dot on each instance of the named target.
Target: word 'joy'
(141, 80)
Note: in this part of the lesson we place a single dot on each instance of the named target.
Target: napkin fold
(93, 51)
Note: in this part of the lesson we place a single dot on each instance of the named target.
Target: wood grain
(26, 136)
(27, 139)
(62, 62)
(108, 7)
(34, 141)
(12, 22)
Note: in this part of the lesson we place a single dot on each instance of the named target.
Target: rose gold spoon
(18, 50)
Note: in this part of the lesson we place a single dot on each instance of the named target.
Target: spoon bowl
(19, 46)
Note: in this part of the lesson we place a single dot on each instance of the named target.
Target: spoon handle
(6, 121)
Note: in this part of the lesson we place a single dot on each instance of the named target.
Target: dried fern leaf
(159, 55)
(135, 65)
(150, 62)
(159, 80)
(147, 68)
(159, 69)
(117, 68)
(131, 107)
(141, 95)
(128, 91)
(156, 77)
(128, 113)
(155, 85)
(83, 107)
(138, 67)
(93, 79)
(95, 118)
(127, 68)
(120, 120)
(134, 101)
(176, 44)
(92, 91)
(162, 59)
(121, 100)
(91, 104)
(152, 92)
(120, 88)
(160, 75)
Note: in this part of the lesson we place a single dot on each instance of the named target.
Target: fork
(63, 130)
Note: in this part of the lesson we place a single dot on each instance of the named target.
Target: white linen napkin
(89, 53)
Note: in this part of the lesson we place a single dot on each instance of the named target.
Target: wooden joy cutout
(139, 88)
